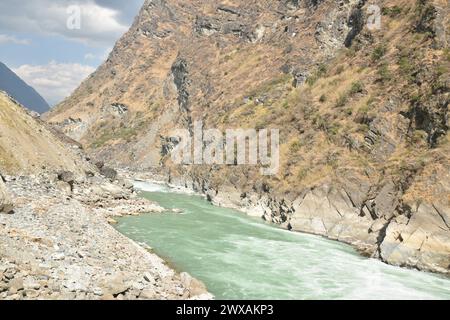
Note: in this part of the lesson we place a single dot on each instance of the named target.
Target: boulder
(109, 190)
(422, 241)
(64, 187)
(6, 205)
(194, 286)
(99, 165)
(127, 184)
(115, 285)
(109, 173)
(147, 294)
(66, 176)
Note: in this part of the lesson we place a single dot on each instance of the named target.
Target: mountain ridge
(21, 91)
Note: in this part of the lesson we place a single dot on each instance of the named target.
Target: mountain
(29, 146)
(19, 90)
(363, 113)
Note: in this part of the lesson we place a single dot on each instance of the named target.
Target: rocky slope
(58, 245)
(56, 241)
(362, 113)
(28, 145)
(22, 92)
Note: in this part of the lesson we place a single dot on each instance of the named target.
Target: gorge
(362, 113)
(357, 208)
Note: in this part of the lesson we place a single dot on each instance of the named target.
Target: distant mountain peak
(21, 91)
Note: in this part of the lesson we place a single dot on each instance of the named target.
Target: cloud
(100, 23)
(100, 57)
(4, 38)
(54, 81)
(89, 56)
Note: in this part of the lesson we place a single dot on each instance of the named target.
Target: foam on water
(150, 186)
(240, 257)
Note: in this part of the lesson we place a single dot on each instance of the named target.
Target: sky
(55, 44)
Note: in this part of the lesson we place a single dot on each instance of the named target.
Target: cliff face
(363, 114)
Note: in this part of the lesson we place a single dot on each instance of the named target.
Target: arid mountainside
(184, 61)
(362, 112)
(29, 146)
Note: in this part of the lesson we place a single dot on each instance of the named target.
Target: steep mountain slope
(29, 146)
(19, 90)
(182, 61)
(362, 113)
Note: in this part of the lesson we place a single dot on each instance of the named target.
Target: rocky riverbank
(418, 240)
(58, 243)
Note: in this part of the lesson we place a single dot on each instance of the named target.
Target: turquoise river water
(240, 257)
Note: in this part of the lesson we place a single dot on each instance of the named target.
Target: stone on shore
(58, 247)
(6, 205)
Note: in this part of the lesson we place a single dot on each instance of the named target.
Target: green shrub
(391, 11)
(295, 146)
(311, 80)
(447, 54)
(378, 53)
(323, 98)
(302, 173)
(322, 70)
(406, 68)
(342, 100)
(414, 98)
(384, 73)
(357, 87)
(320, 122)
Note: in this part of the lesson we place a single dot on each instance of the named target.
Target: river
(240, 257)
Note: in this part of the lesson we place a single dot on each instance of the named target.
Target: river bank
(417, 242)
(242, 257)
(59, 244)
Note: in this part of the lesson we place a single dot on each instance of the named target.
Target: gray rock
(109, 173)
(420, 242)
(147, 294)
(64, 187)
(16, 285)
(116, 285)
(6, 205)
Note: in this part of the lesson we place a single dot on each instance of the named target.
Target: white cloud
(101, 57)
(99, 24)
(54, 81)
(89, 56)
(4, 38)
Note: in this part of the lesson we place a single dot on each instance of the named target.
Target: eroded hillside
(30, 146)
